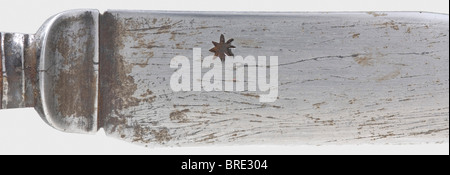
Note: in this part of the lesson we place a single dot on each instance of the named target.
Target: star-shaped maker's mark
(222, 48)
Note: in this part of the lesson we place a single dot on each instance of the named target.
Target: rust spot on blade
(139, 134)
(142, 43)
(208, 138)
(390, 24)
(180, 45)
(408, 30)
(374, 14)
(144, 64)
(165, 28)
(143, 134)
(172, 37)
(249, 43)
(432, 131)
(162, 135)
(179, 116)
(363, 60)
(319, 121)
(389, 76)
(117, 87)
(317, 105)
(147, 93)
(250, 95)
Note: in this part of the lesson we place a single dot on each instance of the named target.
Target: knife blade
(345, 77)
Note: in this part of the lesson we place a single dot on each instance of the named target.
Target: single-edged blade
(342, 78)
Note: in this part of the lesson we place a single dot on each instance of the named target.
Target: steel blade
(344, 78)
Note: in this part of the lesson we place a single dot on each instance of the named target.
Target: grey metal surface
(19, 63)
(14, 77)
(344, 78)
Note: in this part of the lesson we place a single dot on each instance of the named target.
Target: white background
(23, 132)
